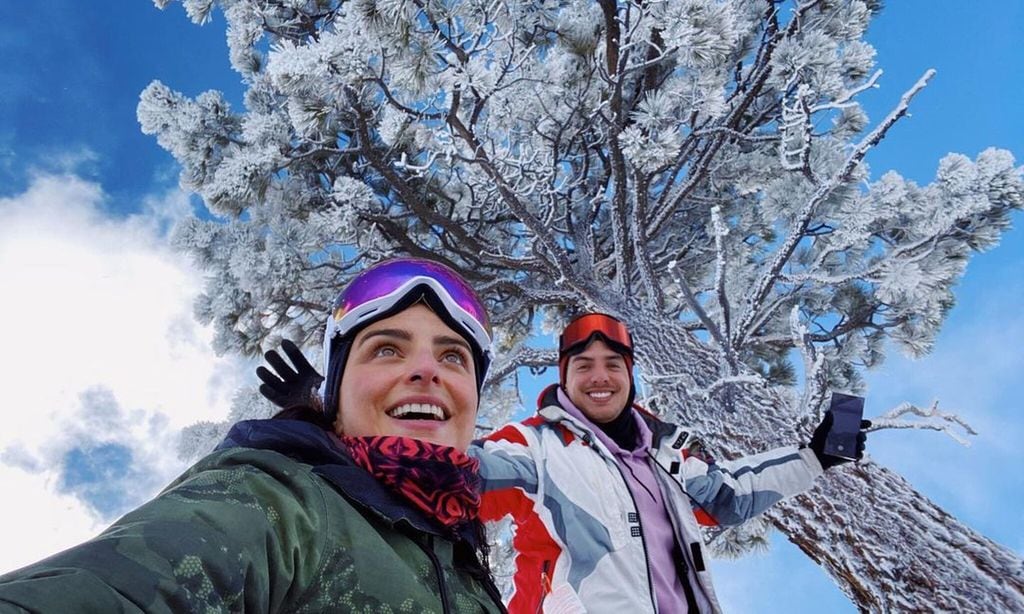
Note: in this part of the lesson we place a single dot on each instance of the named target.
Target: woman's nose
(423, 368)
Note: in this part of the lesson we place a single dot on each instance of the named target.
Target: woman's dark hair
(305, 414)
(476, 561)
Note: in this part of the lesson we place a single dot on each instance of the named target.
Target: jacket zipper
(691, 599)
(671, 478)
(685, 580)
(429, 550)
(643, 540)
(545, 585)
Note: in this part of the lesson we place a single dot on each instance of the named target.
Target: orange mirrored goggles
(583, 328)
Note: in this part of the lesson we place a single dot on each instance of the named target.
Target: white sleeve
(734, 491)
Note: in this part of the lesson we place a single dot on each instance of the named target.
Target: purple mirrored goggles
(381, 287)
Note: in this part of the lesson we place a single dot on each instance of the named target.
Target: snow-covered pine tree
(692, 166)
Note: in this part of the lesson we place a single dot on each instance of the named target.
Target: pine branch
(618, 205)
(640, 243)
(720, 230)
(520, 357)
(691, 300)
(815, 377)
(706, 393)
(771, 274)
(844, 100)
(672, 199)
(933, 419)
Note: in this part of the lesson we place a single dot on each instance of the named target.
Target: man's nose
(599, 374)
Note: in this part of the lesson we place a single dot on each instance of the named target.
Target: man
(605, 498)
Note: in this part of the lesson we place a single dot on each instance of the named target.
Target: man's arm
(224, 538)
(731, 492)
(507, 461)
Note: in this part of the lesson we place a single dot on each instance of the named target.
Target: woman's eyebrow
(398, 333)
(451, 340)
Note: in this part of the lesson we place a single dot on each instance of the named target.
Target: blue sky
(70, 81)
(85, 199)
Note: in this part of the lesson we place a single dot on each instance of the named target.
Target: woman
(369, 506)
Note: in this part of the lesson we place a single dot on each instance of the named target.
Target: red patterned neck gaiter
(439, 480)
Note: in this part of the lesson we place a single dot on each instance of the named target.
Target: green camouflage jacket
(284, 524)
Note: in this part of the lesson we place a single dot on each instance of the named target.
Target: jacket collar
(308, 443)
(659, 428)
(551, 408)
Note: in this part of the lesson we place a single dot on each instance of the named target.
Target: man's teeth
(418, 410)
(601, 394)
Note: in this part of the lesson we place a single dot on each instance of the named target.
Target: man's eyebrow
(399, 333)
(452, 340)
(609, 357)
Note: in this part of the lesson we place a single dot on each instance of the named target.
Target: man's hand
(818, 442)
(288, 387)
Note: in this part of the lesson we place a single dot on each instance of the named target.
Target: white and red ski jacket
(578, 544)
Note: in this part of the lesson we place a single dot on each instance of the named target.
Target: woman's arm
(239, 531)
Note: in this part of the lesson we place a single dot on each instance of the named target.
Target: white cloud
(37, 520)
(93, 302)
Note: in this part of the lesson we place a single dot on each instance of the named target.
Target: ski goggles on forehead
(584, 328)
(382, 287)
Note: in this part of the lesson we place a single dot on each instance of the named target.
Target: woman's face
(412, 376)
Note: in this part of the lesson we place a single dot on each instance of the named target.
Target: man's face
(598, 382)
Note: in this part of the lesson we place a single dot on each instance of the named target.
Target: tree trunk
(884, 544)
(891, 549)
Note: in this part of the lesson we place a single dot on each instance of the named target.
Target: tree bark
(890, 549)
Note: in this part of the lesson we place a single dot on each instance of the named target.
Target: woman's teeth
(417, 411)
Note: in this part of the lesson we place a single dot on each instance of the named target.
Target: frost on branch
(695, 167)
(199, 439)
(901, 417)
(736, 542)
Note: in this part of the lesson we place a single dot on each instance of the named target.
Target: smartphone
(847, 412)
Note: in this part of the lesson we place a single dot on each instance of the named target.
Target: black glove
(288, 387)
(818, 442)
